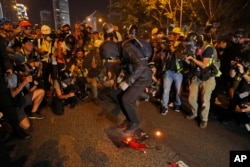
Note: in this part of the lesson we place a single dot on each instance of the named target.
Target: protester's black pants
(129, 98)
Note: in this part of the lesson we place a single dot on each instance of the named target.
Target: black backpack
(144, 47)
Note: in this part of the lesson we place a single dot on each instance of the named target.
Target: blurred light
(158, 133)
(128, 139)
(100, 20)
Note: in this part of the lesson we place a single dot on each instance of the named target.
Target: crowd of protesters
(75, 63)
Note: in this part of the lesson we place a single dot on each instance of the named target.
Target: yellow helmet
(154, 31)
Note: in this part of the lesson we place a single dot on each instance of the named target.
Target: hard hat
(46, 30)
(4, 20)
(176, 30)
(107, 28)
(27, 39)
(154, 31)
(25, 24)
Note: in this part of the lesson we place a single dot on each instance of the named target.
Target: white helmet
(45, 30)
(107, 28)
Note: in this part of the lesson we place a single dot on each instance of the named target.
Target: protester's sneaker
(171, 104)
(247, 125)
(147, 98)
(164, 111)
(132, 127)
(35, 115)
(177, 108)
(203, 124)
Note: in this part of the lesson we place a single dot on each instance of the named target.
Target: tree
(163, 11)
(160, 13)
(226, 12)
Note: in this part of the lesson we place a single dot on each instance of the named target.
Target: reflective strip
(212, 60)
(178, 67)
(238, 78)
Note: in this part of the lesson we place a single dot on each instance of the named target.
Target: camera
(244, 105)
(234, 63)
(70, 89)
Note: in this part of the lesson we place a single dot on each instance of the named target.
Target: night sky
(79, 9)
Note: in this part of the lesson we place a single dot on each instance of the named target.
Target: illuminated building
(61, 12)
(45, 17)
(8, 10)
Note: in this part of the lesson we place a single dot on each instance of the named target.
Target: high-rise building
(45, 17)
(1, 11)
(9, 10)
(61, 12)
(21, 11)
(96, 20)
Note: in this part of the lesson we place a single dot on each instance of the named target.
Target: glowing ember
(128, 139)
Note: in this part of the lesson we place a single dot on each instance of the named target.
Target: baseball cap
(27, 39)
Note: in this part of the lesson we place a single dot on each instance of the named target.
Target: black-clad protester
(240, 72)
(65, 89)
(5, 98)
(137, 79)
(110, 53)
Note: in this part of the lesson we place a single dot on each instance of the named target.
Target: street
(78, 139)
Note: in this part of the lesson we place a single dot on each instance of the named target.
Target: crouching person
(64, 88)
(24, 92)
(23, 84)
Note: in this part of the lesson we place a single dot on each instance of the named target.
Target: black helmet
(132, 30)
(210, 25)
(65, 74)
(23, 67)
(107, 28)
(70, 42)
(194, 39)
